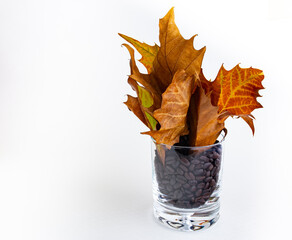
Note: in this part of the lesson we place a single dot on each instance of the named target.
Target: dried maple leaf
(146, 104)
(238, 89)
(148, 98)
(203, 121)
(177, 95)
(249, 121)
(144, 79)
(134, 106)
(175, 53)
(173, 112)
(148, 52)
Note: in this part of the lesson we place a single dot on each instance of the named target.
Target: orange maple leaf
(238, 90)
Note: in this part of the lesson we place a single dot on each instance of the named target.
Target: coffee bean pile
(187, 181)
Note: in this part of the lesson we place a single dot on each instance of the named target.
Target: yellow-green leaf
(145, 97)
(151, 120)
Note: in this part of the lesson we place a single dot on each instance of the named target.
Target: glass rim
(192, 147)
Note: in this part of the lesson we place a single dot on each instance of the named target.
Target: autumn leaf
(146, 104)
(173, 112)
(239, 89)
(175, 99)
(249, 121)
(175, 53)
(144, 79)
(206, 84)
(148, 52)
(133, 104)
(204, 125)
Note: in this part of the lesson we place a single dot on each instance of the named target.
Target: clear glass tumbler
(186, 185)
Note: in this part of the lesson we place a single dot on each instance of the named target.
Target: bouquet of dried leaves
(175, 99)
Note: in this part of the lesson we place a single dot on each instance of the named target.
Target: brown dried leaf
(134, 106)
(249, 121)
(175, 53)
(173, 112)
(144, 79)
(208, 128)
(146, 103)
(148, 52)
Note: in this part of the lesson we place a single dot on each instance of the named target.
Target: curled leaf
(249, 121)
(173, 112)
(134, 106)
(144, 79)
(146, 103)
(207, 126)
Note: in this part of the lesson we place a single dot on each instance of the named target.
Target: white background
(72, 162)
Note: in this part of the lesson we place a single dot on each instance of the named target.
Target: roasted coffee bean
(201, 185)
(208, 174)
(169, 188)
(207, 192)
(192, 176)
(187, 186)
(192, 167)
(192, 182)
(187, 191)
(204, 158)
(178, 194)
(215, 155)
(176, 164)
(199, 172)
(189, 196)
(213, 172)
(185, 162)
(208, 179)
(207, 185)
(200, 178)
(187, 176)
(165, 181)
(172, 180)
(169, 161)
(177, 185)
(216, 178)
(212, 183)
(217, 162)
(210, 167)
(219, 150)
(199, 192)
(207, 165)
(181, 179)
(169, 169)
(194, 188)
(184, 168)
(180, 171)
(195, 161)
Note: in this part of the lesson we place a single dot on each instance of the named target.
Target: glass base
(187, 220)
